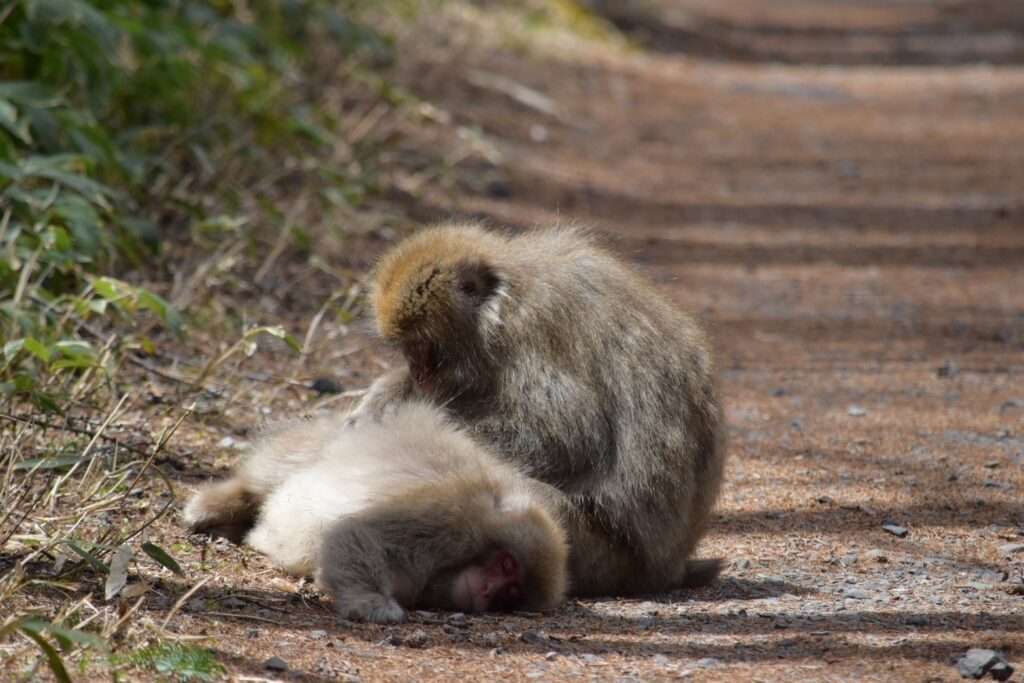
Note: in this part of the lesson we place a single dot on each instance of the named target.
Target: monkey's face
(495, 584)
(438, 321)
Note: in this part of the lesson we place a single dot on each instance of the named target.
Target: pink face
(494, 585)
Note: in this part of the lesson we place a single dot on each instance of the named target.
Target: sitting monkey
(571, 366)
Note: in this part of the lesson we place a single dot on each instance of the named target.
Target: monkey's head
(438, 297)
(524, 567)
(527, 567)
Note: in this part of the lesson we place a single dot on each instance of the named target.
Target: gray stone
(318, 634)
(977, 662)
(534, 637)
(1011, 548)
(993, 575)
(856, 411)
(707, 663)
(233, 603)
(895, 529)
(416, 639)
(1001, 671)
(878, 556)
(275, 664)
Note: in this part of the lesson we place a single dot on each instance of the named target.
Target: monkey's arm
(389, 389)
(377, 563)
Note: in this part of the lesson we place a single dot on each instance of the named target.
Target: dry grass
(270, 290)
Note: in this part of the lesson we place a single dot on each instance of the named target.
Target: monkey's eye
(475, 282)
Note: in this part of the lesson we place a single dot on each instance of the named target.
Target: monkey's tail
(700, 573)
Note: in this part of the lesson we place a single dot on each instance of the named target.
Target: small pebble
(895, 529)
(275, 664)
(707, 663)
(878, 556)
(977, 662)
(326, 385)
(318, 634)
(856, 411)
(993, 575)
(1011, 548)
(416, 639)
(534, 637)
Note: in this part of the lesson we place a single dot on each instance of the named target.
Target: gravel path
(836, 188)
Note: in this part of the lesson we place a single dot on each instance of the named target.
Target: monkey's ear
(476, 282)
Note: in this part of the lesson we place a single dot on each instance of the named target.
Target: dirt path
(854, 236)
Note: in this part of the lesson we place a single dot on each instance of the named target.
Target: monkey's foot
(224, 509)
(376, 609)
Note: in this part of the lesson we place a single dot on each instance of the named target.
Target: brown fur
(572, 367)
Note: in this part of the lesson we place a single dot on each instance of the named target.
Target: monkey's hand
(384, 394)
(372, 607)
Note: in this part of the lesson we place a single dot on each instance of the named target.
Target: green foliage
(103, 101)
(163, 558)
(178, 661)
(37, 629)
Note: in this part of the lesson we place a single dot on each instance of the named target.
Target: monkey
(407, 512)
(553, 352)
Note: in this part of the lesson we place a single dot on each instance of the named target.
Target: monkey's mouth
(423, 362)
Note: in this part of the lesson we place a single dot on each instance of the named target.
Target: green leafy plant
(121, 122)
(182, 662)
(37, 630)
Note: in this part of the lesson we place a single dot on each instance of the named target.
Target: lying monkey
(399, 513)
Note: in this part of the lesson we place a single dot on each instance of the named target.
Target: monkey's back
(607, 392)
(348, 469)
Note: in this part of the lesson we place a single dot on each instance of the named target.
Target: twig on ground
(73, 430)
(181, 601)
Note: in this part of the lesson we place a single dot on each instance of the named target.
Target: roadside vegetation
(148, 152)
(190, 192)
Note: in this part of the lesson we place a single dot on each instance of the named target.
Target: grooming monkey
(405, 512)
(572, 367)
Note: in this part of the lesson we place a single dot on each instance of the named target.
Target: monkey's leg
(602, 564)
(700, 572)
(226, 508)
(598, 566)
